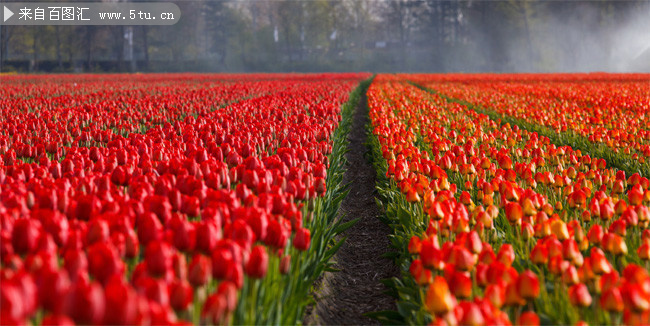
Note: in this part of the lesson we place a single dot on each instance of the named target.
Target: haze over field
(351, 35)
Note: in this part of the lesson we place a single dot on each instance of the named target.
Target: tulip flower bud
(277, 235)
(527, 231)
(644, 251)
(472, 314)
(104, 261)
(461, 285)
(611, 300)
(539, 254)
(85, 303)
(25, 235)
(461, 258)
(506, 254)
(60, 320)
(528, 318)
(257, 262)
(180, 295)
(514, 212)
(302, 239)
(285, 264)
(421, 275)
(634, 298)
(121, 303)
(415, 245)
(200, 270)
(215, 310)
(158, 257)
(496, 294)
(439, 299)
(430, 255)
(579, 295)
(54, 285)
(512, 295)
(528, 285)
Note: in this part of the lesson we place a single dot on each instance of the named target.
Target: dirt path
(345, 296)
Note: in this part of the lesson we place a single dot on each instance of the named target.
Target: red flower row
(172, 212)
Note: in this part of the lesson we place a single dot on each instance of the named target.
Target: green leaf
(344, 226)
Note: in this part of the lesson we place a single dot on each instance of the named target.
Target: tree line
(339, 35)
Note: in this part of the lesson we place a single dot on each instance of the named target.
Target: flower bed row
(218, 217)
(47, 124)
(604, 115)
(494, 224)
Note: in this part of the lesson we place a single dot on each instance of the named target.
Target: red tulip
(104, 262)
(430, 255)
(149, 228)
(60, 320)
(180, 295)
(514, 212)
(257, 262)
(277, 235)
(121, 303)
(53, 286)
(461, 285)
(539, 254)
(85, 303)
(207, 235)
(11, 302)
(302, 239)
(215, 310)
(461, 258)
(472, 314)
(25, 235)
(285, 264)
(158, 257)
(199, 270)
(421, 275)
(415, 245)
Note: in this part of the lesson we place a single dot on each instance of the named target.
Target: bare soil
(345, 296)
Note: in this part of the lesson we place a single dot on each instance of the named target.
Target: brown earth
(344, 297)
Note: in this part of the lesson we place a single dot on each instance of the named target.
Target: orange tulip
(472, 314)
(506, 254)
(439, 299)
(512, 295)
(579, 295)
(496, 294)
(599, 263)
(633, 297)
(528, 318)
(611, 300)
(539, 254)
(461, 258)
(528, 285)
(559, 229)
(595, 234)
(514, 212)
(570, 275)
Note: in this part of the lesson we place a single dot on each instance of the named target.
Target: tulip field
(214, 198)
(164, 199)
(496, 224)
